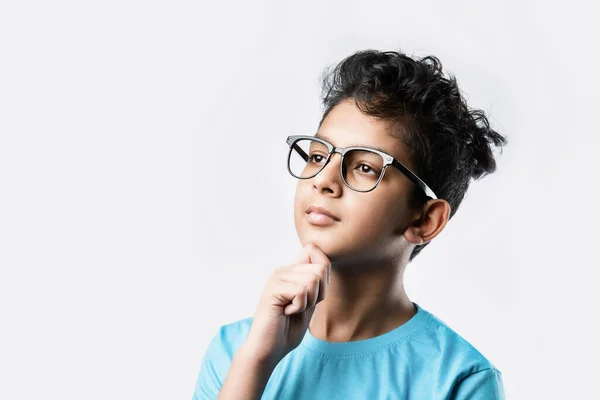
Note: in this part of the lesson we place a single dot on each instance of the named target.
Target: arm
(247, 377)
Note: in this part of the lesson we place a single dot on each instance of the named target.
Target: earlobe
(412, 237)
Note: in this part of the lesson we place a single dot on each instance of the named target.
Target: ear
(431, 221)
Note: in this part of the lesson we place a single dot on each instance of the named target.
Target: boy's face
(370, 223)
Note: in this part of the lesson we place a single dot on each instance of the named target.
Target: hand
(286, 306)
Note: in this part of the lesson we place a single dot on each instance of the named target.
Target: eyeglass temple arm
(411, 175)
(301, 152)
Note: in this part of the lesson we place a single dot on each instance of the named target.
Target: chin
(328, 238)
(325, 240)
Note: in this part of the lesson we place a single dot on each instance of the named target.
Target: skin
(370, 245)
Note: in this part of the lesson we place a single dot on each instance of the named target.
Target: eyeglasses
(361, 168)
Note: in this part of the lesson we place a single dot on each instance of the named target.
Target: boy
(388, 167)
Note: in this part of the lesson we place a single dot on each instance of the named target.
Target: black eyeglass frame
(387, 161)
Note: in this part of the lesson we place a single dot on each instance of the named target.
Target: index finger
(312, 254)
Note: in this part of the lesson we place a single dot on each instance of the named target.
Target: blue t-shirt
(421, 359)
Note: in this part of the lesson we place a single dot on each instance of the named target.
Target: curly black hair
(448, 142)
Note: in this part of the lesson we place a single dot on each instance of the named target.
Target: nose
(329, 177)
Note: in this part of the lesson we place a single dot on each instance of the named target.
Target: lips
(321, 210)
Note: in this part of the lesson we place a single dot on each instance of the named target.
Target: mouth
(320, 216)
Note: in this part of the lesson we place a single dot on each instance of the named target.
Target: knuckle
(302, 291)
(279, 271)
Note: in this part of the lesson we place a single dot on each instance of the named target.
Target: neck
(362, 302)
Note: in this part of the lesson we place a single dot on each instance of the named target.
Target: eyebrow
(321, 136)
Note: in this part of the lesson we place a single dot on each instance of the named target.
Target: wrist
(246, 356)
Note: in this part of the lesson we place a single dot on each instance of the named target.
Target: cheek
(367, 218)
(370, 223)
(379, 217)
(298, 196)
(299, 202)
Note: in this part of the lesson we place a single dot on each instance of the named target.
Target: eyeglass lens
(360, 168)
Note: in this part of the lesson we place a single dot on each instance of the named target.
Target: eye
(365, 169)
(316, 158)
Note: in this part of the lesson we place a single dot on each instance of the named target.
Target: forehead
(346, 125)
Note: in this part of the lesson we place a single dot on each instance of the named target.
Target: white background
(131, 229)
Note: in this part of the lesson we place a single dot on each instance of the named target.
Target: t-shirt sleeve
(210, 378)
(218, 358)
(482, 385)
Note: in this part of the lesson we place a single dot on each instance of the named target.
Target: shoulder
(218, 357)
(449, 345)
(463, 370)
(221, 349)
(229, 337)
